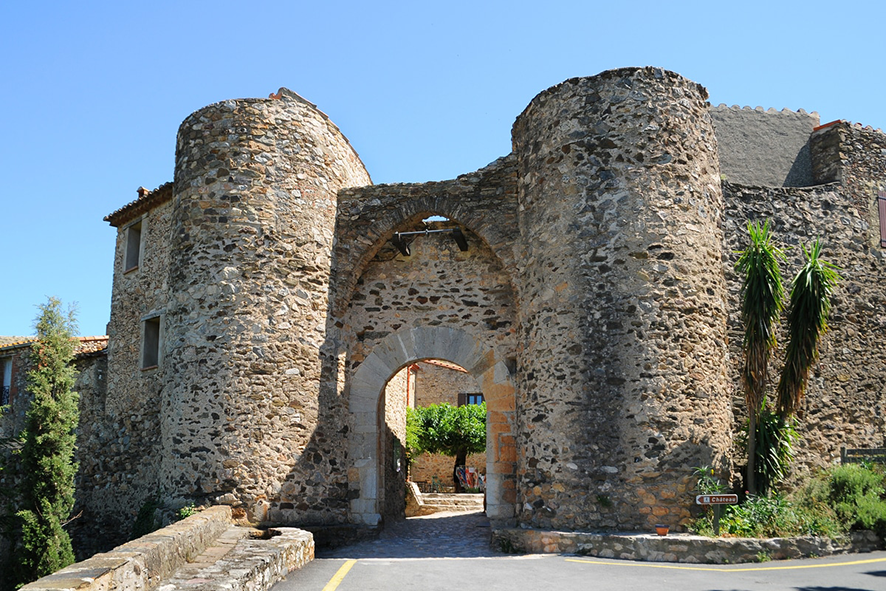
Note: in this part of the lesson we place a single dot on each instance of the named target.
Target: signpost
(716, 501)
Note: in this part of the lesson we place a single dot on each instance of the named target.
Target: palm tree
(807, 320)
(762, 296)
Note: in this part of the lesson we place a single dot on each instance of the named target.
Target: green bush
(856, 492)
(828, 504)
(186, 512)
(771, 517)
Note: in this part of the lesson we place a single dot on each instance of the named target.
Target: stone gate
(264, 298)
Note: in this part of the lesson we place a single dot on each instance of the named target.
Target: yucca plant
(762, 296)
(808, 315)
(776, 437)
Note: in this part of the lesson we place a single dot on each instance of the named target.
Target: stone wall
(123, 449)
(855, 156)
(13, 419)
(768, 148)
(844, 404)
(622, 381)
(393, 455)
(251, 415)
(95, 529)
(436, 285)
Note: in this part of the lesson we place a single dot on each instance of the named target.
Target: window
(151, 343)
(469, 398)
(6, 365)
(133, 246)
(881, 202)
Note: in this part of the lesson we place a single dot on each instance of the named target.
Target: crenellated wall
(764, 147)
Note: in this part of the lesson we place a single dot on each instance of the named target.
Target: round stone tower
(246, 325)
(622, 381)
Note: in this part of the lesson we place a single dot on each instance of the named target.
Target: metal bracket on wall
(401, 245)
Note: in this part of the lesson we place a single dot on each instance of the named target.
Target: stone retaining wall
(176, 557)
(679, 548)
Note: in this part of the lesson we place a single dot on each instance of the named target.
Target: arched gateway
(432, 342)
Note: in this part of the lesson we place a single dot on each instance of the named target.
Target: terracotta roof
(15, 341)
(87, 344)
(90, 345)
(826, 125)
(146, 201)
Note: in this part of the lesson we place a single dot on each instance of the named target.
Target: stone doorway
(397, 351)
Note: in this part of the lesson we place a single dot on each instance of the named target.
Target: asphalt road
(855, 572)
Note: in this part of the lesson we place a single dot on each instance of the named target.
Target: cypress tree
(46, 493)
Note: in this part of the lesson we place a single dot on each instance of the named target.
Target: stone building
(264, 298)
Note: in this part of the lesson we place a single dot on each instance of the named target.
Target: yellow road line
(336, 580)
(728, 569)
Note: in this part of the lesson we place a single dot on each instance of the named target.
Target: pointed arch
(386, 359)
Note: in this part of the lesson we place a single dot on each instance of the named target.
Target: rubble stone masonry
(622, 316)
(253, 219)
(595, 308)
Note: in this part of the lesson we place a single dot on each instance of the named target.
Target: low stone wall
(253, 564)
(680, 547)
(143, 563)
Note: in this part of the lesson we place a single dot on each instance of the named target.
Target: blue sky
(93, 93)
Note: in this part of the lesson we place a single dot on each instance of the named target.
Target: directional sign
(716, 499)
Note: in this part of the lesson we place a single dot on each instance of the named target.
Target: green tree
(808, 314)
(762, 296)
(46, 492)
(454, 431)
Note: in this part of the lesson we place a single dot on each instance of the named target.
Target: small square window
(151, 343)
(133, 246)
(469, 398)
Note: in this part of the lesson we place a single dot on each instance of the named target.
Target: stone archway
(494, 380)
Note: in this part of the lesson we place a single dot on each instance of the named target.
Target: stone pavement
(448, 534)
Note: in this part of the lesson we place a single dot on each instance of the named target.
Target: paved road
(450, 552)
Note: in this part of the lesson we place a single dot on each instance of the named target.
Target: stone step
(453, 502)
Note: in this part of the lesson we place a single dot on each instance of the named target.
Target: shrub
(856, 493)
(186, 512)
(147, 520)
(828, 504)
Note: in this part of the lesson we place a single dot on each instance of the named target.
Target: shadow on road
(442, 535)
